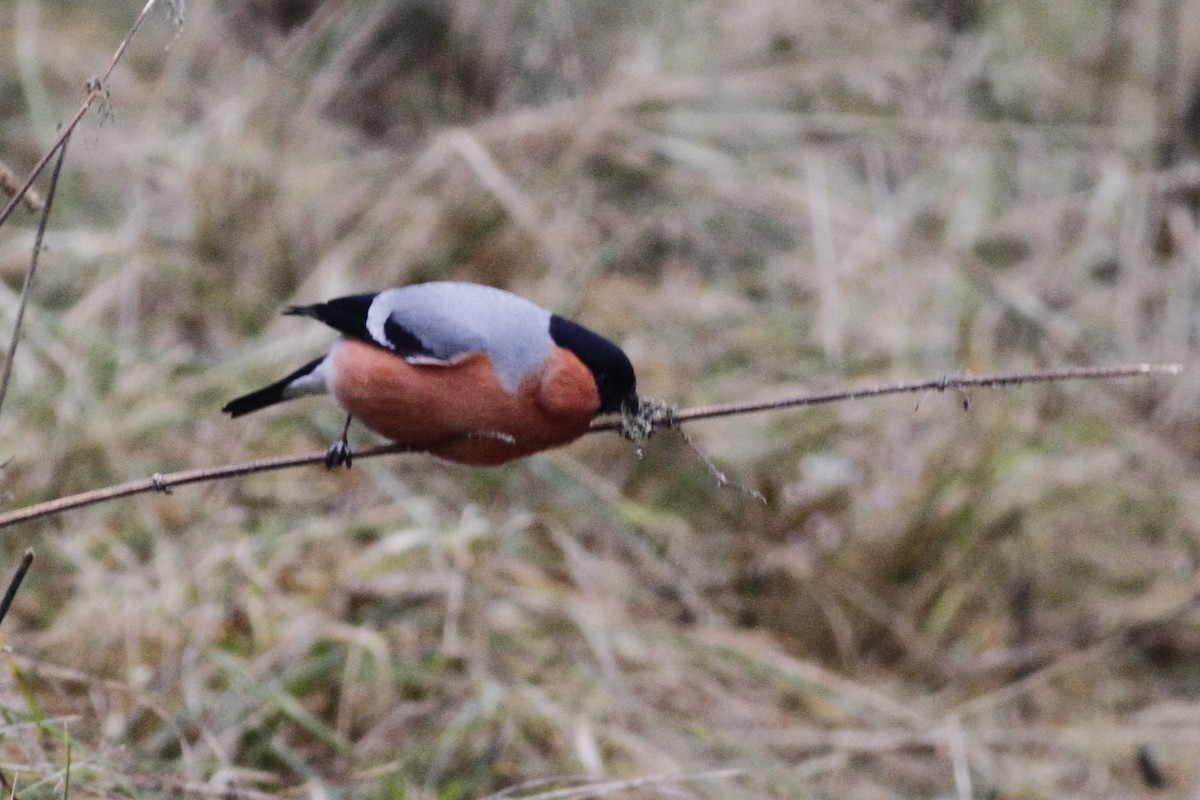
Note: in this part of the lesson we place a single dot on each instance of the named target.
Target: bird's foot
(339, 452)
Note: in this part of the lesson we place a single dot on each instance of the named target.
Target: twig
(653, 416)
(11, 355)
(935, 384)
(164, 482)
(97, 88)
(8, 185)
(15, 583)
(5, 605)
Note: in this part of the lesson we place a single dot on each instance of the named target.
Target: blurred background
(752, 198)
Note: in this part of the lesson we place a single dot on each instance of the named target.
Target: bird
(470, 373)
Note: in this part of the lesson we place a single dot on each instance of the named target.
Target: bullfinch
(470, 373)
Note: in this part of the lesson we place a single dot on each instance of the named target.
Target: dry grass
(749, 197)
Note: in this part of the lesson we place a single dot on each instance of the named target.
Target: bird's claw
(339, 453)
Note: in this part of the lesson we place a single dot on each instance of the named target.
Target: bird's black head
(610, 366)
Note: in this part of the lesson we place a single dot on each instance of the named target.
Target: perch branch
(654, 416)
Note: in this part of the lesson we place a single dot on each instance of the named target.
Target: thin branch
(15, 583)
(165, 482)
(11, 355)
(942, 384)
(655, 416)
(97, 88)
(9, 595)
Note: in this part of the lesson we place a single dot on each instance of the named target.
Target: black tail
(268, 395)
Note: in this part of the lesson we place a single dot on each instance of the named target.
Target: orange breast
(426, 405)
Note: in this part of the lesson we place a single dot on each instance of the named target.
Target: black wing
(348, 315)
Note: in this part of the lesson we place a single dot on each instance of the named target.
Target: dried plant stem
(946, 383)
(9, 356)
(665, 418)
(9, 185)
(97, 88)
(164, 482)
(15, 584)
